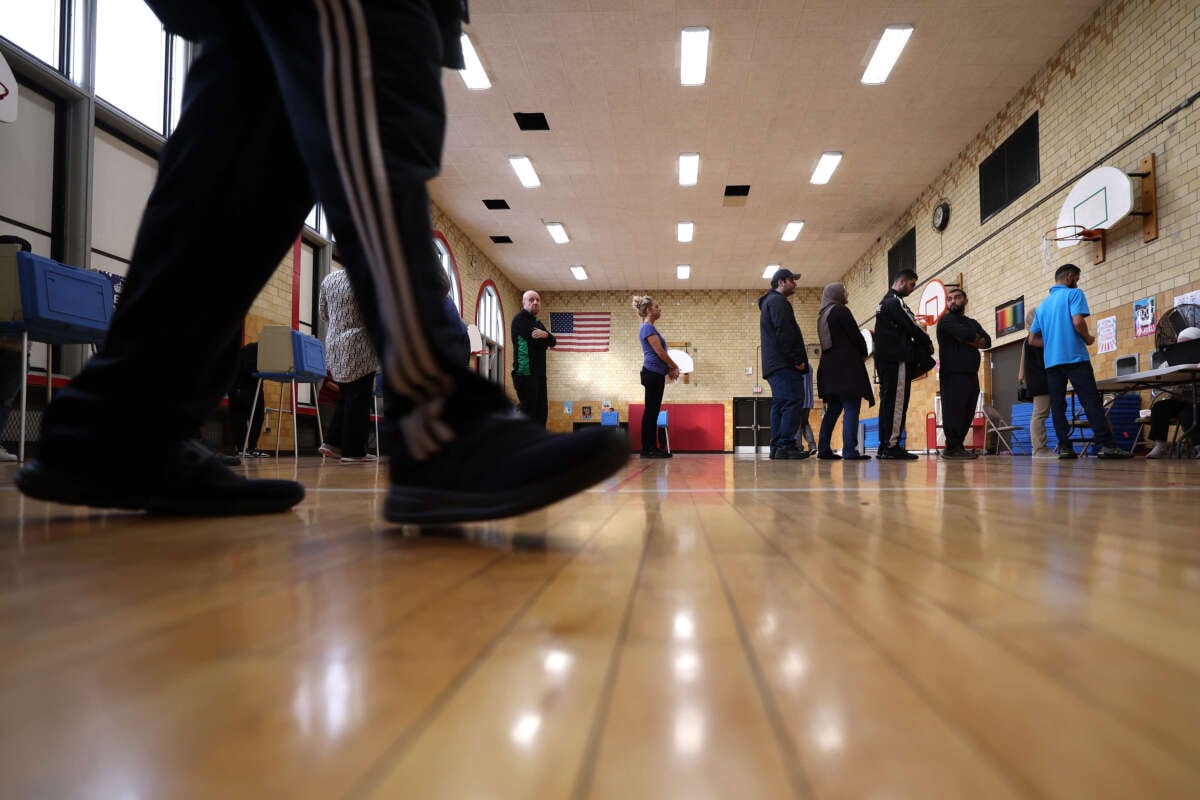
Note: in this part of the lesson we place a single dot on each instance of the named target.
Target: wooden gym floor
(708, 626)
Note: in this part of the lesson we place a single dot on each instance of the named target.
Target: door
(751, 424)
(1005, 366)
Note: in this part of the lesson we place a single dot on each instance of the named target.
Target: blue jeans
(787, 389)
(1084, 380)
(848, 408)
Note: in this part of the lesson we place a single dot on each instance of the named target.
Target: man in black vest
(898, 341)
(960, 339)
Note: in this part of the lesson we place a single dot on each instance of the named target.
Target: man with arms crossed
(960, 339)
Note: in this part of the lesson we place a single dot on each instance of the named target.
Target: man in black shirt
(960, 339)
(784, 362)
(898, 341)
(530, 342)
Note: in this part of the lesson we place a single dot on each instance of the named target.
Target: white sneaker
(329, 451)
(356, 460)
(1044, 452)
(6, 456)
(1160, 450)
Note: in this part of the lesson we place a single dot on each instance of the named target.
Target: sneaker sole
(409, 505)
(70, 489)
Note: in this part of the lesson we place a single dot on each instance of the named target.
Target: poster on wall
(1143, 317)
(1010, 317)
(1192, 298)
(1106, 335)
(568, 407)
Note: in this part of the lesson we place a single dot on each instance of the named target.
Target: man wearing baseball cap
(784, 362)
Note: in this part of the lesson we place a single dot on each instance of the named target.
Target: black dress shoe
(186, 478)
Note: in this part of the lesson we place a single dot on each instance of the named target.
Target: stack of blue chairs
(1123, 416)
(871, 435)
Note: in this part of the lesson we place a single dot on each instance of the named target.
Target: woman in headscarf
(842, 380)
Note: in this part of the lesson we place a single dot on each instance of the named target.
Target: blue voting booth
(42, 300)
(288, 356)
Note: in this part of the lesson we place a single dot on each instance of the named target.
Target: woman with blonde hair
(657, 367)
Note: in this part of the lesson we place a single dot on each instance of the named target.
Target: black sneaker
(503, 466)
(896, 454)
(957, 454)
(1112, 451)
(856, 457)
(788, 454)
(653, 454)
(1067, 453)
(189, 479)
(830, 456)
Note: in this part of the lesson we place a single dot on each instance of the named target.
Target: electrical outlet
(749, 370)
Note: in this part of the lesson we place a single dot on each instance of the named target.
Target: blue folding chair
(610, 419)
(662, 426)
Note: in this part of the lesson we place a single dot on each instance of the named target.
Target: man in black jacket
(784, 363)
(530, 341)
(898, 341)
(960, 339)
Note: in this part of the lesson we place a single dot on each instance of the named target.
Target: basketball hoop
(1065, 236)
(925, 320)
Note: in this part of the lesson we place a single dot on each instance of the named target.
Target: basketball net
(1075, 234)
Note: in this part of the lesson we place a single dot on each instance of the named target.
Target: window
(448, 264)
(489, 318)
(34, 26)
(489, 315)
(1010, 171)
(902, 255)
(131, 60)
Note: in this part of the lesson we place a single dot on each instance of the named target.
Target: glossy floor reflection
(708, 626)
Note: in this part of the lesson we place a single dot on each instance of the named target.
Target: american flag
(581, 331)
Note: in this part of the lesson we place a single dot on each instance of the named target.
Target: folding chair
(662, 426)
(998, 425)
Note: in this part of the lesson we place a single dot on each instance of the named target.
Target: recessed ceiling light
(887, 51)
(473, 74)
(525, 171)
(684, 231)
(579, 272)
(770, 271)
(792, 230)
(683, 271)
(825, 167)
(557, 232)
(693, 56)
(689, 169)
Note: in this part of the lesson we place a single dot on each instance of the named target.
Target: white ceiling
(783, 86)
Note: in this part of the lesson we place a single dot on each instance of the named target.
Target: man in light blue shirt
(1060, 327)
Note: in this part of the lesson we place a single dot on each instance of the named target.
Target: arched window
(489, 314)
(451, 267)
(489, 318)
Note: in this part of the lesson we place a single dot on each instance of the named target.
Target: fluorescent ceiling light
(525, 171)
(887, 52)
(473, 74)
(557, 232)
(693, 56)
(770, 271)
(684, 231)
(689, 169)
(683, 271)
(825, 167)
(579, 272)
(792, 230)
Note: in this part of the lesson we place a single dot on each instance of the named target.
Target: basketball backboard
(933, 301)
(1099, 200)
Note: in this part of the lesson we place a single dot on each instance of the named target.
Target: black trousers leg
(353, 414)
(960, 394)
(889, 372)
(655, 385)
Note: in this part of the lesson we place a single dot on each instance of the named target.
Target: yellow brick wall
(720, 327)
(1132, 62)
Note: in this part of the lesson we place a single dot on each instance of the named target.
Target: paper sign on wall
(1191, 297)
(1106, 335)
(1143, 317)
